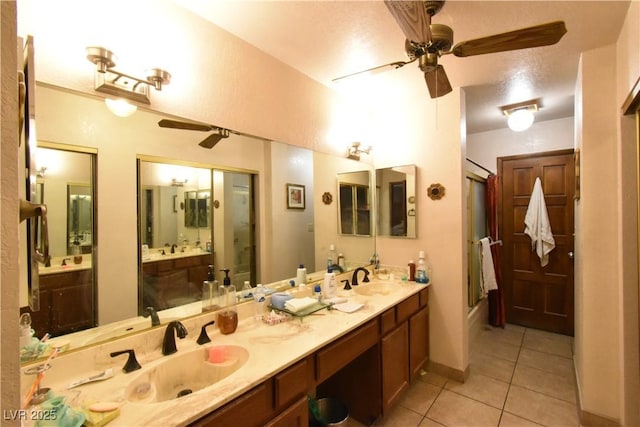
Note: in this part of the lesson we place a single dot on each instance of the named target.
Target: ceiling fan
(209, 141)
(426, 42)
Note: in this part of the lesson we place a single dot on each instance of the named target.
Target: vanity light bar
(119, 84)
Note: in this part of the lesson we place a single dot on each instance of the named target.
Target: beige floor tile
(554, 385)
(420, 397)
(510, 420)
(482, 388)
(509, 335)
(498, 349)
(434, 379)
(491, 366)
(552, 363)
(427, 422)
(399, 417)
(452, 409)
(549, 335)
(547, 343)
(540, 408)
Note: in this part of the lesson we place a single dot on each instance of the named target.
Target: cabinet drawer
(407, 307)
(188, 261)
(424, 297)
(291, 383)
(251, 409)
(337, 355)
(387, 321)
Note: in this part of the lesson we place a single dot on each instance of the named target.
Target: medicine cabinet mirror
(79, 218)
(396, 200)
(354, 200)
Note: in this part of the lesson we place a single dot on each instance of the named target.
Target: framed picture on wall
(295, 196)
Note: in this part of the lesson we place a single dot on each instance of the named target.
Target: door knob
(570, 254)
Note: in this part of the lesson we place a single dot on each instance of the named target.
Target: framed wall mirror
(396, 201)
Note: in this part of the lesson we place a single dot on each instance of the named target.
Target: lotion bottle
(228, 317)
(301, 275)
(329, 288)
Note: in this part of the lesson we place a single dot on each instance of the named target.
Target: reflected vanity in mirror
(177, 241)
(66, 185)
(354, 201)
(396, 200)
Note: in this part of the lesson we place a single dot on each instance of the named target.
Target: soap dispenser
(210, 292)
(77, 251)
(228, 317)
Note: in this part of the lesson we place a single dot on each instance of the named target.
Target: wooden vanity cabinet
(368, 369)
(66, 303)
(174, 281)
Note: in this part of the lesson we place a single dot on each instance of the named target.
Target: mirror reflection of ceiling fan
(426, 42)
(209, 141)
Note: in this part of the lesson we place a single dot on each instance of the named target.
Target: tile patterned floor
(518, 377)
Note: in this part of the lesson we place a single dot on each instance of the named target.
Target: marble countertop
(293, 340)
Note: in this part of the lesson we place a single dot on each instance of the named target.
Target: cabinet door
(418, 341)
(297, 415)
(395, 365)
(71, 309)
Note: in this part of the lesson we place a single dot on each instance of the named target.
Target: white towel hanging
(489, 282)
(537, 225)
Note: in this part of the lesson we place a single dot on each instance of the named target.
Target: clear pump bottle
(228, 317)
(210, 292)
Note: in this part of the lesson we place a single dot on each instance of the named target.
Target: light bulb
(120, 107)
(520, 120)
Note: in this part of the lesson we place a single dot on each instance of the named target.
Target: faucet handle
(204, 338)
(132, 363)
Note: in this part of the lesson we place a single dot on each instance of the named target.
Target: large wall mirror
(255, 172)
(396, 190)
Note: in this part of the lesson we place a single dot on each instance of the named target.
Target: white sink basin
(183, 373)
(377, 288)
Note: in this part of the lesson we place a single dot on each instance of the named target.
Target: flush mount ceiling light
(354, 151)
(520, 115)
(121, 85)
(178, 183)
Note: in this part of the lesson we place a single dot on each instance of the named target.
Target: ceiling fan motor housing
(441, 41)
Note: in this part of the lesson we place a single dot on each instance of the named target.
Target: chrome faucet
(354, 279)
(169, 341)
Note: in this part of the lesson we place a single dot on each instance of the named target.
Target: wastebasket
(331, 412)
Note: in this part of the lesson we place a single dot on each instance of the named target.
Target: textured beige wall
(9, 378)
(598, 283)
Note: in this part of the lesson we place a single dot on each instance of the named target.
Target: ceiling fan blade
(413, 19)
(378, 69)
(539, 35)
(437, 82)
(175, 124)
(211, 140)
